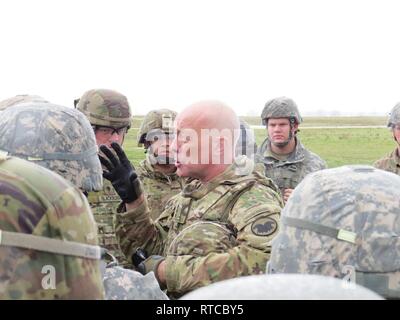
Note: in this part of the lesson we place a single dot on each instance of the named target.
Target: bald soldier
(221, 224)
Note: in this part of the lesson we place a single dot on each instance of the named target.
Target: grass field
(337, 146)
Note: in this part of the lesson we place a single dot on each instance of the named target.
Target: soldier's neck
(213, 171)
(289, 148)
(165, 168)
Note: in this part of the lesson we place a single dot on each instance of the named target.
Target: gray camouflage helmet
(282, 287)
(106, 108)
(394, 116)
(125, 284)
(156, 122)
(19, 99)
(345, 223)
(281, 107)
(58, 138)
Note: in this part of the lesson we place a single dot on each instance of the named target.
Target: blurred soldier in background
(344, 223)
(48, 247)
(391, 162)
(220, 225)
(286, 160)
(110, 115)
(157, 172)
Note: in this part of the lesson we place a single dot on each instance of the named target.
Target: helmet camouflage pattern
(282, 287)
(58, 138)
(394, 116)
(156, 122)
(48, 247)
(343, 222)
(125, 284)
(19, 99)
(281, 107)
(106, 108)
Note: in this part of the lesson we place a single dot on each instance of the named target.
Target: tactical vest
(286, 176)
(104, 206)
(215, 207)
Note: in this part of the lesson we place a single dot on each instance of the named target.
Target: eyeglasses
(110, 131)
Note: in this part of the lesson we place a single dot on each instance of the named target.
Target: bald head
(209, 114)
(207, 132)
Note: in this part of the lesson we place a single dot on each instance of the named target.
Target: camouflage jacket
(210, 231)
(288, 174)
(158, 187)
(104, 205)
(389, 163)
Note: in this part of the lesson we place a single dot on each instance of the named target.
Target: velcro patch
(264, 226)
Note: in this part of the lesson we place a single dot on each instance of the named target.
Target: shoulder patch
(264, 226)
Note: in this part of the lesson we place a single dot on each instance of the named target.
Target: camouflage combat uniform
(159, 187)
(110, 109)
(389, 163)
(288, 173)
(208, 232)
(45, 223)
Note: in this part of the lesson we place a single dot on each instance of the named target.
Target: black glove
(150, 264)
(121, 173)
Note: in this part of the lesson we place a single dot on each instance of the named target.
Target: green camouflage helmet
(58, 138)
(106, 108)
(394, 116)
(19, 99)
(281, 107)
(156, 122)
(345, 223)
(48, 237)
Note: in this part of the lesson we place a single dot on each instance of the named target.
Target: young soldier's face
(106, 135)
(278, 130)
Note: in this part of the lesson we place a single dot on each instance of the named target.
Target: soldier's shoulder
(314, 160)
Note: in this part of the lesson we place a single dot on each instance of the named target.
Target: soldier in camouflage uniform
(219, 227)
(157, 172)
(391, 162)
(110, 115)
(286, 160)
(48, 247)
(345, 223)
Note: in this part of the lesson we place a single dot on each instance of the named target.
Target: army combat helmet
(48, 237)
(281, 107)
(106, 108)
(19, 99)
(58, 138)
(345, 223)
(394, 116)
(156, 123)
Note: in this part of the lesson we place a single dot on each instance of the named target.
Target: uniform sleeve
(135, 228)
(255, 217)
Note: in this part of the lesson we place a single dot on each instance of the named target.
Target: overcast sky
(326, 55)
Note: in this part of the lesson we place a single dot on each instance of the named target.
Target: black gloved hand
(121, 173)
